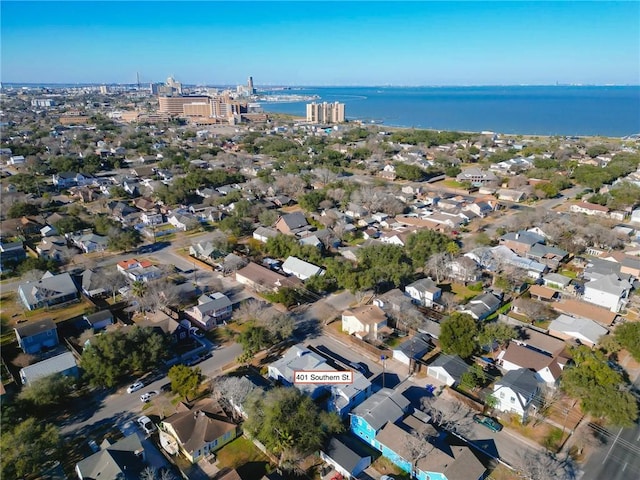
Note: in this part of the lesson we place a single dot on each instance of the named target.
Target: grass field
(244, 456)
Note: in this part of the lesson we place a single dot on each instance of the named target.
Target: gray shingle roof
(342, 454)
(47, 367)
(384, 406)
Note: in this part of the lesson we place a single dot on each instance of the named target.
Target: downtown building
(325, 112)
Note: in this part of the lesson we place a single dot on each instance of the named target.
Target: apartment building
(325, 112)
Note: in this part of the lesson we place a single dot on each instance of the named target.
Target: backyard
(245, 457)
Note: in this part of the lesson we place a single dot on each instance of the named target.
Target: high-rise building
(175, 105)
(177, 86)
(325, 112)
(250, 87)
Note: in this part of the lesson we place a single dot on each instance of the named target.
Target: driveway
(154, 458)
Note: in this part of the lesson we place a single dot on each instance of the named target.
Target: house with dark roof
(10, 255)
(35, 336)
(262, 279)
(413, 349)
(201, 429)
(292, 223)
(520, 242)
(122, 460)
(517, 392)
(482, 306)
(548, 368)
(99, 320)
(384, 406)
(50, 290)
(448, 369)
(344, 458)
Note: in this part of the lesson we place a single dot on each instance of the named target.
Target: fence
(512, 321)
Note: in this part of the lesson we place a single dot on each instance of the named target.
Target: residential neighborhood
(165, 279)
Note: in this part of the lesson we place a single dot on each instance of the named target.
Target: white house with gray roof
(301, 269)
(517, 392)
(424, 291)
(211, 310)
(342, 399)
(609, 291)
(584, 330)
(123, 460)
(50, 290)
(64, 364)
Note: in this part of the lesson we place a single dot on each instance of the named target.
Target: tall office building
(325, 112)
(250, 87)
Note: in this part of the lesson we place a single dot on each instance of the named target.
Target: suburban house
(122, 460)
(520, 242)
(589, 209)
(183, 221)
(201, 429)
(555, 280)
(35, 336)
(517, 392)
(582, 330)
(347, 460)
(539, 341)
(547, 255)
(464, 270)
(50, 290)
(206, 251)
(262, 279)
(10, 255)
(476, 176)
(448, 458)
(577, 308)
(343, 397)
(368, 418)
(89, 242)
(548, 368)
(292, 223)
(212, 310)
(510, 195)
(64, 364)
(262, 234)
(609, 291)
(368, 321)
(301, 269)
(482, 306)
(413, 349)
(541, 293)
(139, 271)
(424, 292)
(447, 369)
(99, 320)
(91, 283)
(64, 179)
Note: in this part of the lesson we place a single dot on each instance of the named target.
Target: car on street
(134, 387)
(146, 424)
(488, 422)
(145, 397)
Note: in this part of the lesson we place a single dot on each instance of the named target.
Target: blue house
(35, 336)
(384, 406)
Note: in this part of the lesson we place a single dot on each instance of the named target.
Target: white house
(586, 331)
(367, 321)
(447, 369)
(517, 392)
(547, 367)
(609, 291)
(301, 269)
(424, 292)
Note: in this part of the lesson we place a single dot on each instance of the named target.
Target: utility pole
(383, 358)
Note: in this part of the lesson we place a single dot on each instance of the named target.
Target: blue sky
(328, 43)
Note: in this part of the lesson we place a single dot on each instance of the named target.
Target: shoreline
(384, 126)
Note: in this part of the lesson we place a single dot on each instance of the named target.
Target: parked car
(488, 422)
(135, 387)
(147, 425)
(145, 397)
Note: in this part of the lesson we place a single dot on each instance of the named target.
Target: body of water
(541, 110)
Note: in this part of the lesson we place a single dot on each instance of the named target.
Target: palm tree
(139, 289)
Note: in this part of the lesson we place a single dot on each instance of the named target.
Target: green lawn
(244, 456)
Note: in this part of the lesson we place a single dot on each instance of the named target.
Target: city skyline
(322, 44)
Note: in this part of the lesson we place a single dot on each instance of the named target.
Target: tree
(124, 240)
(110, 280)
(116, 354)
(254, 339)
(425, 243)
(474, 377)
(49, 390)
(184, 380)
(450, 415)
(418, 445)
(497, 332)
(233, 391)
(628, 335)
(458, 334)
(599, 388)
(22, 209)
(284, 419)
(28, 447)
(69, 224)
(438, 265)
(543, 465)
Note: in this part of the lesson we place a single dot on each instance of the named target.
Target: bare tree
(32, 275)
(418, 445)
(110, 280)
(250, 310)
(23, 360)
(159, 294)
(533, 309)
(450, 415)
(232, 392)
(166, 474)
(542, 465)
(324, 176)
(448, 300)
(86, 336)
(437, 265)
